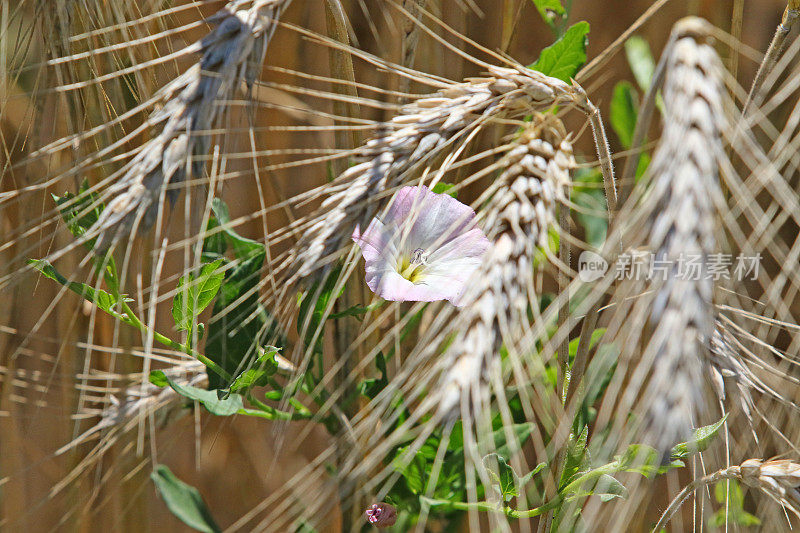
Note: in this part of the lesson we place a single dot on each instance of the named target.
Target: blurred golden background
(43, 340)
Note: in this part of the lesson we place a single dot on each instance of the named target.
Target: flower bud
(381, 515)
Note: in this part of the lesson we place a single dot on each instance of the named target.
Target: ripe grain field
(412, 265)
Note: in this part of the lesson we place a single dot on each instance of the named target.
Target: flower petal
(390, 285)
(434, 218)
(450, 267)
(378, 242)
(442, 227)
(472, 243)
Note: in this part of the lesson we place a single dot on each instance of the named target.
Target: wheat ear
(140, 400)
(685, 179)
(421, 131)
(729, 365)
(231, 54)
(517, 219)
(778, 479)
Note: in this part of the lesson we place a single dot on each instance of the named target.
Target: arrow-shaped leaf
(183, 500)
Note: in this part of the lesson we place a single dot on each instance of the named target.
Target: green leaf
(228, 406)
(623, 112)
(643, 67)
(521, 433)
(81, 211)
(305, 527)
(598, 376)
(566, 56)
(549, 10)
(576, 457)
(158, 378)
(357, 310)
(530, 475)
(194, 294)
(608, 488)
(645, 460)
(701, 439)
(595, 337)
(98, 297)
(184, 501)
(380, 364)
(451, 484)
(729, 494)
(589, 196)
(734, 497)
(315, 303)
(641, 61)
(221, 407)
(553, 243)
(503, 476)
(216, 242)
(239, 324)
(372, 387)
(414, 472)
(258, 376)
(445, 188)
(217, 402)
(644, 162)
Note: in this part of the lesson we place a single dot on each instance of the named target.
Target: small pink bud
(381, 515)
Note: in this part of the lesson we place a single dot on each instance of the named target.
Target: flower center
(412, 267)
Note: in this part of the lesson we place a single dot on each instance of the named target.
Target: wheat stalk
(774, 52)
(231, 54)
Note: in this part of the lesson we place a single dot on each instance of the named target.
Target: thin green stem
(134, 321)
(130, 318)
(493, 507)
(276, 414)
(610, 468)
(300, 408)
(475, 506)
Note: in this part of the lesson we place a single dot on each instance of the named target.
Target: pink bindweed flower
(381, 515)
(424, 249)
